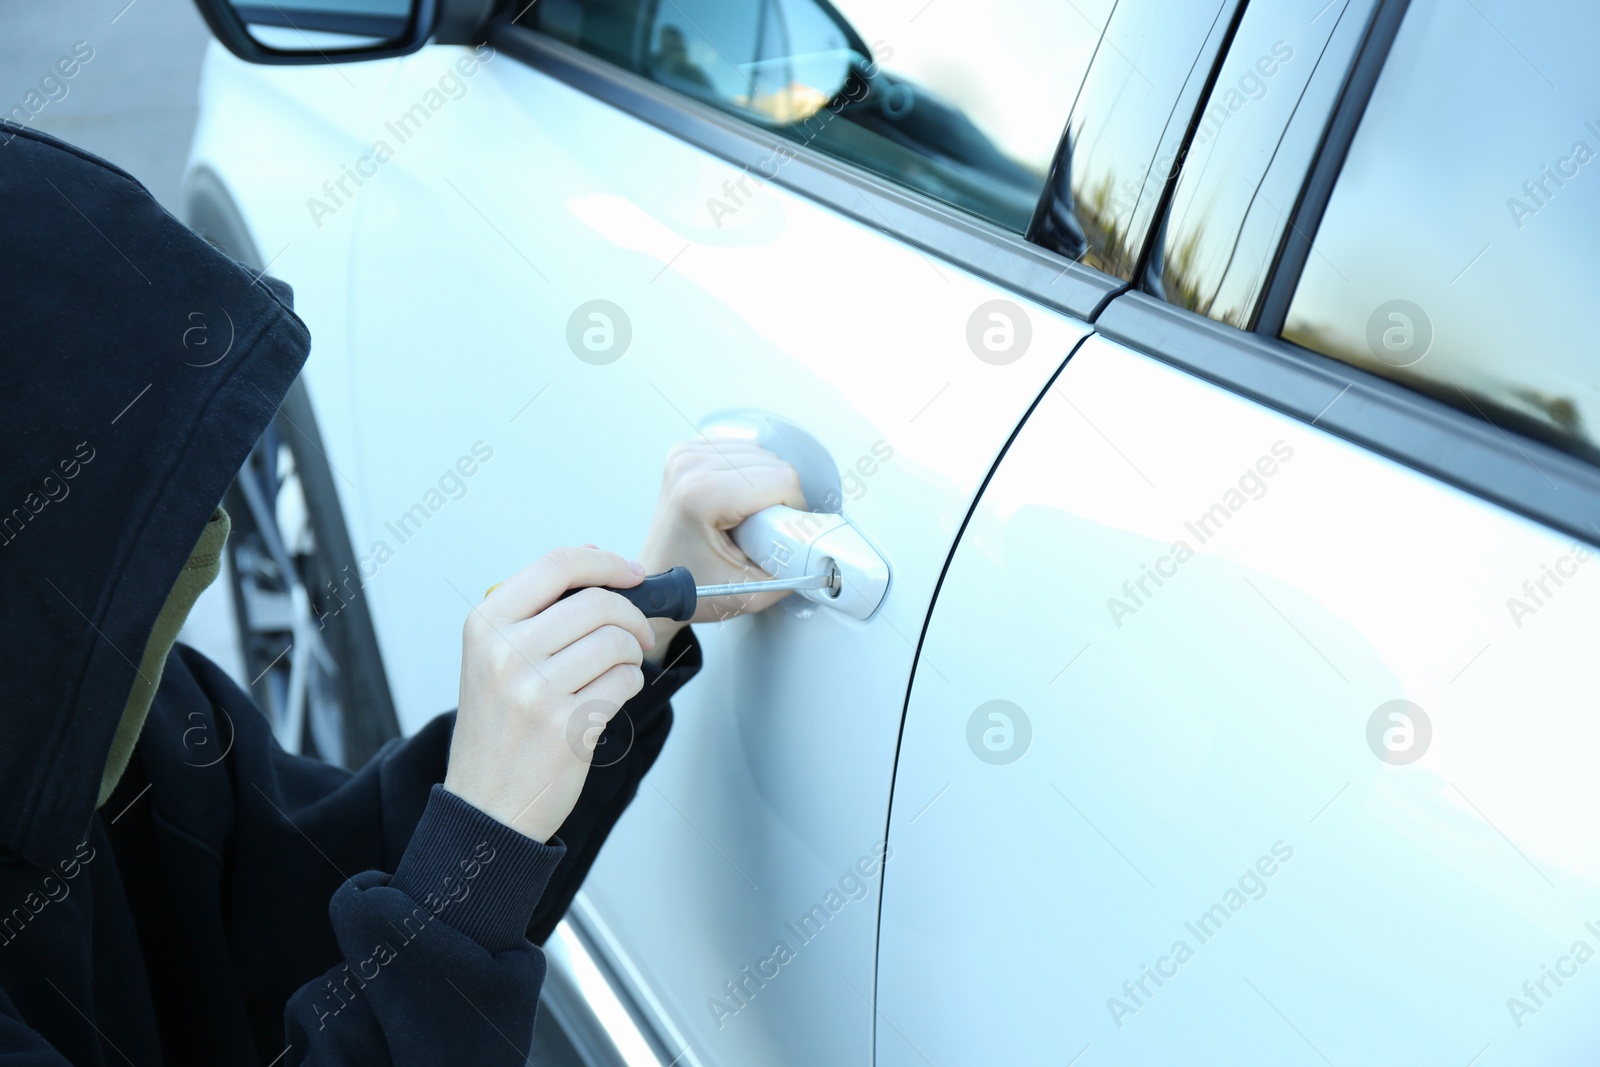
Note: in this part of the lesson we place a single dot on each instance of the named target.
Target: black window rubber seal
(1521, 474)
(1306, 215)
(1004, 258)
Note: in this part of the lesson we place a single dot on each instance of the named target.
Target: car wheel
(309, 649)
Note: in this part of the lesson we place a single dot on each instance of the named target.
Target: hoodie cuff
(681, 663)
(477, 874)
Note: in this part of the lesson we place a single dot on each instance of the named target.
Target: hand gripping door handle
(788, 543)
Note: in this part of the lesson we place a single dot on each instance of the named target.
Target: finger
(593, 733)
(727, 455)
(614, 688)
(714, 443)
(541, 583)
(689, 456)
(580, 663)
(582, 613)
(724, 499)
(741, 461)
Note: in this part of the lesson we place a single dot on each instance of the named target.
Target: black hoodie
(260, 908)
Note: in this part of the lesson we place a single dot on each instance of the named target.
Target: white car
(1206, 394)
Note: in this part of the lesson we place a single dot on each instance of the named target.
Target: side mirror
(322, 31)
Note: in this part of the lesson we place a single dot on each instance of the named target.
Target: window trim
(1306, 215)
(1527, 476)
(1216, 44)
(1524, 475)
(1158, 220)
(998, 256)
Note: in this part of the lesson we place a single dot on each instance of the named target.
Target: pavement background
(134, 103)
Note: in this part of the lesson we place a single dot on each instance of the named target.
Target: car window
(968, 110)
(1255, 137)
(1127, 128)
(1457, 250)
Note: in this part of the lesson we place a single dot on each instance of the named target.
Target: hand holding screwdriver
(534, 657)
(535, 654)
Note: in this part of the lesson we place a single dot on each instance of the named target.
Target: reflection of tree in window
(671, 59)
(1456, 130)
(1122, 138)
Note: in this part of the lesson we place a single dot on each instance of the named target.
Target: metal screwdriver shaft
(673, 594)
(810, 581)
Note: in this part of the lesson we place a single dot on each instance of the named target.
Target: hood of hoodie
(140, 366)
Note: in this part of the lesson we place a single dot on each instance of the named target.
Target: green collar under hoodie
(201, 569)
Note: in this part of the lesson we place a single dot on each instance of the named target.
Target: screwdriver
(673, 594)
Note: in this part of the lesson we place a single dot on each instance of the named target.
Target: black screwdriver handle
(669, 595)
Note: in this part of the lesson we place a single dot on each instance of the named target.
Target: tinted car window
(1255, 137)
(966, 110)
(1127, 128)
(1457, 251)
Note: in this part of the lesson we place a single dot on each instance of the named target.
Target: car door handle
(788, 543)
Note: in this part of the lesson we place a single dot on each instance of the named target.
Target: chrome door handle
(787, 543)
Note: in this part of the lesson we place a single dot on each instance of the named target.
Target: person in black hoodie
(258, 907)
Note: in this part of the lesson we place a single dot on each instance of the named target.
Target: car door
(569, 257)
(1257, 689)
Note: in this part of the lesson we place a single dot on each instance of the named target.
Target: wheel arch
(210, 209)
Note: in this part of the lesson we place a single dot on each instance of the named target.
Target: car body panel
(521, 200)
(1216, 719)
(1221, 715)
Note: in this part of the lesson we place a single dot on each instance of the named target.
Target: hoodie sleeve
(20, 1044)
(437, 958)
(436, 961)
(397, 922)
